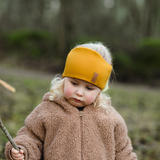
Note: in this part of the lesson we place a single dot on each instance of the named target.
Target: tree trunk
(65, 27)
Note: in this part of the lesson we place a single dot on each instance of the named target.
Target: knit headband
(88, 65)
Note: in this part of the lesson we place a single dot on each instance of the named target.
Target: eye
(74, 83)
(89, 88)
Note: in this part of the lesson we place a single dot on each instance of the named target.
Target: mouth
(77, 100)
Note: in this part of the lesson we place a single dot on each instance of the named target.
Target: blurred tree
(141, 16)
(151, 18)
(87, 17)
(29, 14)
(7, 15)
(76, 19)
(121, 23)
(65, 26)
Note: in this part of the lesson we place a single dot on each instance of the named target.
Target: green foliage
(34, 49)
(123, 65)
(87, 39)
(38, 49)
(21, 37)
(31, 44)
(143, 65)
(148, 58)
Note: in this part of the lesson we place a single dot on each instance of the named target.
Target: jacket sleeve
(123, 144)
(31, 136)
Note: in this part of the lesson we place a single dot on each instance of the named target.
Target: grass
(138, 105)
(14, 107)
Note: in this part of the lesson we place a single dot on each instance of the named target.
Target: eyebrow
(74, 79)
(88, 84)
(91, 86)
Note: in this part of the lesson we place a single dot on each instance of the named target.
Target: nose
(79, 92)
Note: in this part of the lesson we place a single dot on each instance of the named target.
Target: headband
(88, 65)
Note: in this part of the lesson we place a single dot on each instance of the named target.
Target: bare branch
(6, 85)
(8, 135)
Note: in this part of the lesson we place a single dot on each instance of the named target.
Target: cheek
(90, 98)
(67, 92)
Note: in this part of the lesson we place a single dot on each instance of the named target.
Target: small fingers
(14, 151)
(17, 155)
(21, 151)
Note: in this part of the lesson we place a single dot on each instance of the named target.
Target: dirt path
(25, 73)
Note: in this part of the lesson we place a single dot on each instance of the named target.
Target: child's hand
(17, 155)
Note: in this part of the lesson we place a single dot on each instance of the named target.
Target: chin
(77, 105)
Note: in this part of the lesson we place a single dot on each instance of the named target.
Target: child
(75, 121)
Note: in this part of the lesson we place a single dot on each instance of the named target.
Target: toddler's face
(80, 93)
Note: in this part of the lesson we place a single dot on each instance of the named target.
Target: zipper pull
(80, 114)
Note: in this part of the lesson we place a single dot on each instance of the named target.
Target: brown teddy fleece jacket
(56, 130)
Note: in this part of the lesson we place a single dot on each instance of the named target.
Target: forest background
(36, 36)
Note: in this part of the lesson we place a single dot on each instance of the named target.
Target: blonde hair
(102, 100)
(57, 85)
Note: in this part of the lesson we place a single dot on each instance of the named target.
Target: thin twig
(6, 85)
(8, 135)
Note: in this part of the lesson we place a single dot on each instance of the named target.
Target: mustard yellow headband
(88, 65)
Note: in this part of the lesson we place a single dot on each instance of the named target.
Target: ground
(138, 104)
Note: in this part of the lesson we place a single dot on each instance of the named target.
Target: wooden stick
(6, 85)
(8, 135)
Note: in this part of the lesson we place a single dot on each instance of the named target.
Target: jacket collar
(67, 106)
